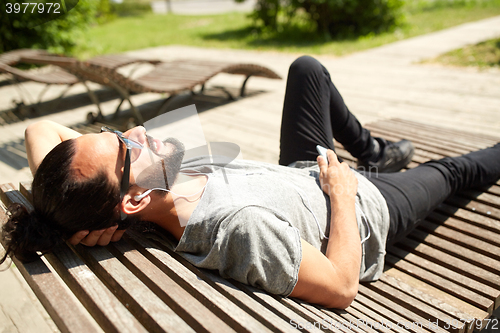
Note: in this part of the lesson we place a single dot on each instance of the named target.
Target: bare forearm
(332, 280)
(42, 137)
(344, 246)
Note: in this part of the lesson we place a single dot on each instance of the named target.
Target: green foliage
(335, 18)
(104, 12)
(130, 8)
(61, 34)
(483, 55)
(429, 5)
(267, 12)
(109, 10)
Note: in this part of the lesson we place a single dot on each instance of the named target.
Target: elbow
(348, 299)
(344, 299)
(36, 127)
(29, 130)
(351, 293)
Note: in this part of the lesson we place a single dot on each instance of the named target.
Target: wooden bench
(444, 277)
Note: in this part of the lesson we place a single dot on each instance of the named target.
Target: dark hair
(62, 205)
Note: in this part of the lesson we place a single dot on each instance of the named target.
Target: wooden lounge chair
(443, 277)
(172, 77)
(57, 75)
(12, 58)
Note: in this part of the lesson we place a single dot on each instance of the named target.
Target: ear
(131, 206)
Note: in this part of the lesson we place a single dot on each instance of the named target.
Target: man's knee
(304, 66)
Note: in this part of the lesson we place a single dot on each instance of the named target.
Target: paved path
(381, 83)
(202, 7)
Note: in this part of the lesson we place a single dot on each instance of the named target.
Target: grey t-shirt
(252, 215)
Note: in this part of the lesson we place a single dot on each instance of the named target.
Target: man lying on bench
(306, 230)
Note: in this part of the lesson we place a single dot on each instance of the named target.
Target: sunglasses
(133, 151)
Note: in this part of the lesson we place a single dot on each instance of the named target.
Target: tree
(39, 28)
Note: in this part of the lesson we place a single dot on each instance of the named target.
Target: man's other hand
(337, 179)
(97, 237)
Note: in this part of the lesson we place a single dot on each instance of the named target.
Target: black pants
(315, 113)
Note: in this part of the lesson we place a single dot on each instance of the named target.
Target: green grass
(234, 30)
(483, 55)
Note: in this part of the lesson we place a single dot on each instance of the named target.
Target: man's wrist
(338, 201)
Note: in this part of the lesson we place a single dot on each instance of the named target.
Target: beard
(164, 171)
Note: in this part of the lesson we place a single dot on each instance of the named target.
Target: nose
(137, 133)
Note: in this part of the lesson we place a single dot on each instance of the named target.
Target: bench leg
(24, 94)
(126, 96)
(59, 98)
(44, 90)
(136, 112)
(163, 107)
(243, 86)
(94, 99)
(115, 115)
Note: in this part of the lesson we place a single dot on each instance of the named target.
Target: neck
(171, 212)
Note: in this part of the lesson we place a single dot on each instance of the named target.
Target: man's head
(90, 177)
(132, 160)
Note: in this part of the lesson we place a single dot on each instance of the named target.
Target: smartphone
(322, 151)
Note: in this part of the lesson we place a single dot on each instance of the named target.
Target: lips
(155, 145)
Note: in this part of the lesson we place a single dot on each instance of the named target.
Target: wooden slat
(470, 248)
(381, 305)
(417, 267)
(448, 149)
(427, 298)
(147, 307)
(221, 306)
(455, 264)
(67, 314)
(493, 189)
(330, 324)
(418, 322)
(434, 138)
(451, 132)
(445, 301)
(369, 318)
(448, 135)
(9, 195)
(327, 315)
(107, 310)
(415, 305)
(490, 225)
(25, 189)
(384, 316)
(474, 206)
(479, 196)
(272, 318)
(285, 313)
(184, 304)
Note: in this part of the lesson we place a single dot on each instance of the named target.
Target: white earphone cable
(304, 197)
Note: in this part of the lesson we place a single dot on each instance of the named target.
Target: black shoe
(393, 156)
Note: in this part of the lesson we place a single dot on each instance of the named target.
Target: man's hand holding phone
(336, 178)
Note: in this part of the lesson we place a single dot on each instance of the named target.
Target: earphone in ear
(141, 196)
